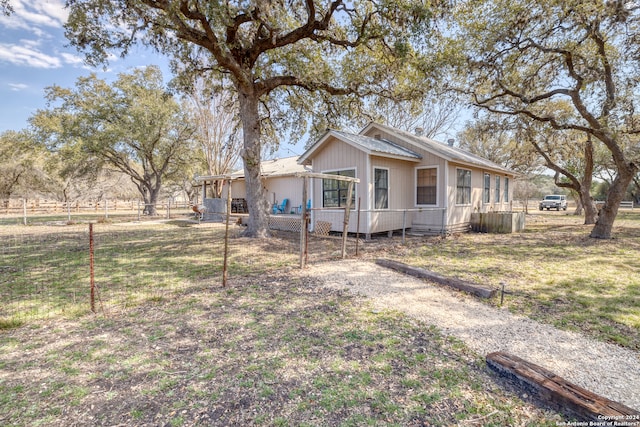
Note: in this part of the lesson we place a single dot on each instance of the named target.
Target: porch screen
(334, 192)
(427, 180)
(463, 187)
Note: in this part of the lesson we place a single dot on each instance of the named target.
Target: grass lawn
(175, 348)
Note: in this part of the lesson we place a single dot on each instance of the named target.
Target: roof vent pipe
(419, 131)
(450, 142)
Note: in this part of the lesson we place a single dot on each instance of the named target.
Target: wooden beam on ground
(462, 285)
(557, 392)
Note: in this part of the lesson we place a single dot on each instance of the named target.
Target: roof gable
(371, 146)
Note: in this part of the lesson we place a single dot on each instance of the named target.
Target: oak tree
(521, 58)
(274, 53)
(134, 126)
(22, 166)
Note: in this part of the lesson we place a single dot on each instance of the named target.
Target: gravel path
(605, 369)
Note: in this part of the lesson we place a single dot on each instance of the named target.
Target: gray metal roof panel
(374, 145)
(448, 152)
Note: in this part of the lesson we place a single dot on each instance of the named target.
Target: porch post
(303, 225)
(347, 211)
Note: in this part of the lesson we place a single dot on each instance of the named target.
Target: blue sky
(34, 54)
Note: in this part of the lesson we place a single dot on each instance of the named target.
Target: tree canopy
(22, 166)
(134, 126)
(533, 59)
(5, 7)
(277, 55)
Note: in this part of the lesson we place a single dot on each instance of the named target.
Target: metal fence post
(91, 271)
(404, 224)
(225, 263)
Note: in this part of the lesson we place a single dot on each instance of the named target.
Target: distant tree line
(100, 140)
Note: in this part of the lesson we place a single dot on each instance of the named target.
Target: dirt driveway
(605, 369)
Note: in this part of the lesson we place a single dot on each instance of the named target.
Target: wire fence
(61, 268)
(69, 269)
(29, 211)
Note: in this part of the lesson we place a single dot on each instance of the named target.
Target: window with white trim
(486, 195)
(334, 192)
(426, 186)
(497, 189)
(463, 187)
(505, 198)
(381, 188)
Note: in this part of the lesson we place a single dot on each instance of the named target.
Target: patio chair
(282, 208)
(308, 206)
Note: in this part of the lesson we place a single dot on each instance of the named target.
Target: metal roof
(376, 145)
(450, 153)
(371, 146)
(287, 166)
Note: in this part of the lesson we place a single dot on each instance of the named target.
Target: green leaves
(134, 126)
(309, 44)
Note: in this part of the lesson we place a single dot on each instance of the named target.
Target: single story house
(406, 181)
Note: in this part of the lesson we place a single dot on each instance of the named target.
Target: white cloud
(27, 55)
(17, 87)
(32, 15)
(71, 59)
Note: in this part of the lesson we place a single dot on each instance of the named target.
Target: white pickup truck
(554, 201)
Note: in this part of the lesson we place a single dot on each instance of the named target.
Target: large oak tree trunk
(151, 208)
(604, 225)
(149, 193)
(590, 209)
(257, 203)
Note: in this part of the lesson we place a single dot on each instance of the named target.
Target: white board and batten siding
(335, 156)
(402, 155)
(280, 188)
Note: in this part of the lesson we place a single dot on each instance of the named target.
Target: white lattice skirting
(285, 222)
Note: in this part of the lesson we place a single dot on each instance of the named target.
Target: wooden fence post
(345, 226)
(226, 238)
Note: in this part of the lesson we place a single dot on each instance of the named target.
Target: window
(381, 188)
(505, 198)
(334, 192)
(486, 196)
(463, 187)
(426, 188)
(497, 189)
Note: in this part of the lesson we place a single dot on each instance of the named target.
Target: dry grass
(553, 272)
(272, 350)
(265, 351)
